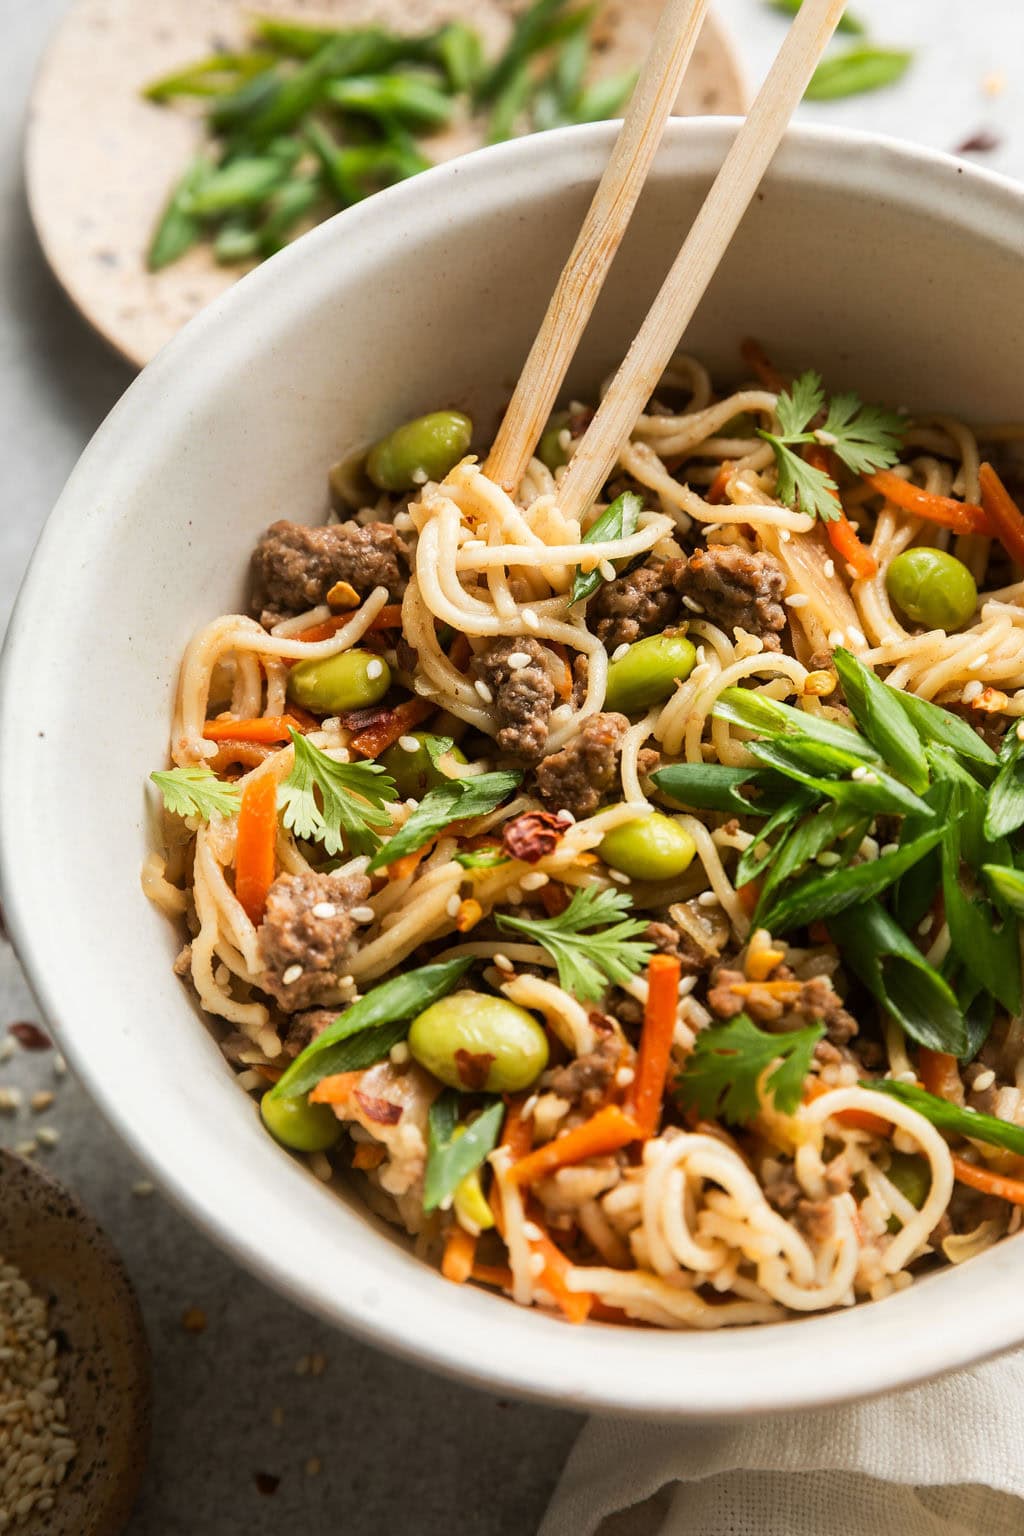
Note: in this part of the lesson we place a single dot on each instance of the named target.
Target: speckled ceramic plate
(100, 159)
(104, 1366)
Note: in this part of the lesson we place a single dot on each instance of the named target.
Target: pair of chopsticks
(607, 219)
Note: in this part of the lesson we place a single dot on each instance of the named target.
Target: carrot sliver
(267, 728)
(857, 1119)
(749, 895)
(719, 487)
(1003, 513)
(398, 722)
(845, 540)
(336, 1089)
(761, 365)
(940, 1074)
(988, 1182)
(961, 516)
(459, 1253)
(409, 862)
(324, 631)
(575, 1304)
(517, 1132)
(368, 1154)
(604, 1132)
(659, 1026)
(255, 844)
(493, 1274)
(390, 617)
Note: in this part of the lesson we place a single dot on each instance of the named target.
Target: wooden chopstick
(606, 222)
(701, 253)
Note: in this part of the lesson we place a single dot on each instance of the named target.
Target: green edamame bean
(932, 588)
(549, 449)
(424, 449)
(475, 1042)
(648, 672)
(415, 772)
(350, 680)
(301, 1126)
(653, 847)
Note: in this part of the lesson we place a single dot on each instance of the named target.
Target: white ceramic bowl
(895, 271)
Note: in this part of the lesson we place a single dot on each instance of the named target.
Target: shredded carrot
(397, 722)
(604, 1132)
(857, 1119)
(718, 490)
(269, 1074)
(493, 1274)
(336, 1089)
(324, 631)
(988, 1182)
(254, 848)
(842, 535)
(564, 685)
(575, 1304)
(602, 1312)
(268, 728)
(749, 895)
(782, 991)
(961, 516)
(655, 1043)
(459, 1253)
(517, 1132)
(761, 365)
(409, 862)
(940, 1074)
(1003, 513)
(390, 617)
(368, 1154)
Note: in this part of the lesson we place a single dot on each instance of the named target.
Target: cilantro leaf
(723, 1076)
(593, 942)
(451, 1157)
(196, 791)
(458, 800)
(616, 522)
(351, 804)
(863, 437)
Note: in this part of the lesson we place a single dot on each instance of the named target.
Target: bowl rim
(610, 1378)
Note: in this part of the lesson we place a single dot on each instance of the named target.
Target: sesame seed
(620, 651)
(700, 655)
(888, 848)
(47, 1136)
(483, 690)
(35, 1446)
(565, 817)
(291, 974)
(984, 1080)
(142, 1189)
(530, 619)
(363, 914)
(10, 1101)
(26, 1148)
(624, 1076)
(784, 535)
(518, 660)
(829, 859)
(534, 880)
(972, 690)
(408, 743)
(607, 570)
(835, 637)
(325, 909)
(6, 1049)
(423, 688)
(852, 571)
(829, 568)
(708, 899)
(620, 877)
(41, 1100)
(453, 904)
(562, 713)
(375, 668)
(412, 804)
(859, 773)
(532, 1232)
(924, 926)
(419, 476)
(797, 600)
(514, 896)
(857, 636)
(503, 962)
(538, 1263)
(978, 662)
(692, 604)
(399, 1054)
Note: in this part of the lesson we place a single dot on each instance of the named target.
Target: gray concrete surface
(398, 1450)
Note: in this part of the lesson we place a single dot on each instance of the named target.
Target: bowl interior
(891, 270)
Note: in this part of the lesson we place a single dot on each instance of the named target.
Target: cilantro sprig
(196, 791)
(723, 1076)
(593, 942)
(350, 808)
(864, 437)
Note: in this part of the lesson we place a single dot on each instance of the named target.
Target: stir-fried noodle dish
(628, 904)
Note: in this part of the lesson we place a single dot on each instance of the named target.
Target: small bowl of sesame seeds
(74, 1366)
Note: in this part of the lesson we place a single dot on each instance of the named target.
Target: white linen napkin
(946, 1459)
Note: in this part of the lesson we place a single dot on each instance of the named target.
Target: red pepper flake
(983, 142)
(473, 1067)
(356, 720)
(532, 836)
(380, 1111)
(266, 1483)
(30, 1037)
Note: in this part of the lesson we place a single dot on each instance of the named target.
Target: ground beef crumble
(583, 774)
(295, 933)
(295, 566)
(639, 603)
(523, 696)
(737, 589)
(816, 1001)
